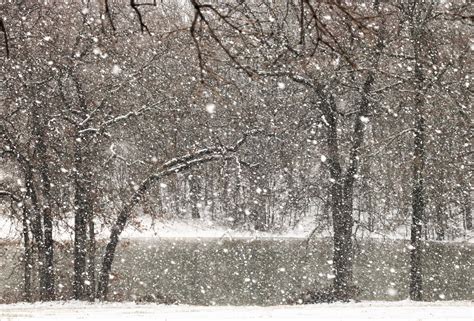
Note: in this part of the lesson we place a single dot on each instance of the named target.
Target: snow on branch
(386, 143)
(117, 119)
(10, 195)
(168, 168)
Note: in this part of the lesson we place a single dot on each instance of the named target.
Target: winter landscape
(234, 160)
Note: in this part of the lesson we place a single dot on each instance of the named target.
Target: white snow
(392, 292)
(393, 311)
(145, 228)
(116, 70)
(200, 228)
(211, 108)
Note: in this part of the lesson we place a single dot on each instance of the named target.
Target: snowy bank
(146, 228)
(393, 311)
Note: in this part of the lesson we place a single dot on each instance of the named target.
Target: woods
(258, 115)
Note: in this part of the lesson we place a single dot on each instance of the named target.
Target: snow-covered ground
(393, 311)
(146, 228)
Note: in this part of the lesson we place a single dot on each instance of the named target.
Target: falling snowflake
(392, 292)
(116, 70)
(211, 108)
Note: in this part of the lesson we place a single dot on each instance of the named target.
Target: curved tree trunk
(171, 167)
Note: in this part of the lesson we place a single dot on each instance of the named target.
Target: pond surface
(259, 272)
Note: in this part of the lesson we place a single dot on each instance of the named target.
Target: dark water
(263, 272)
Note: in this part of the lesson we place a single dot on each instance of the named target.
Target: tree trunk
(35, 214)
(36, 225)
(48, 294)
(47, 279)
(82, 210)
(47, 250)
(117, 228)
(418, 205)
(467, 209)
(194, 191)
(341, 216)
(28, 258)
(342, 190)
(91, 251)
(440, 222)
(343, 256)
(418, 197)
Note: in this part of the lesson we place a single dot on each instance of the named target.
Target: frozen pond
(212, 271)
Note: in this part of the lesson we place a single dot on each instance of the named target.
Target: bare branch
(11, 195)
(135, 5)
(5, 37)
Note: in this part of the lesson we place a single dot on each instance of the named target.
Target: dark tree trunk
(28, 258)
(82, 211)
(104, 275)
(48, 286)
(467, 210)
(341, 214)
(418, 13)
(418, 205)
(79, 254)
(47, 249)
(440, 222)
(342, 256)
(194, 197)
(117, 228)
(418, 193)
(36, 225)
(342, 220)
(48, 289)
(91, 251)
(342, 190)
